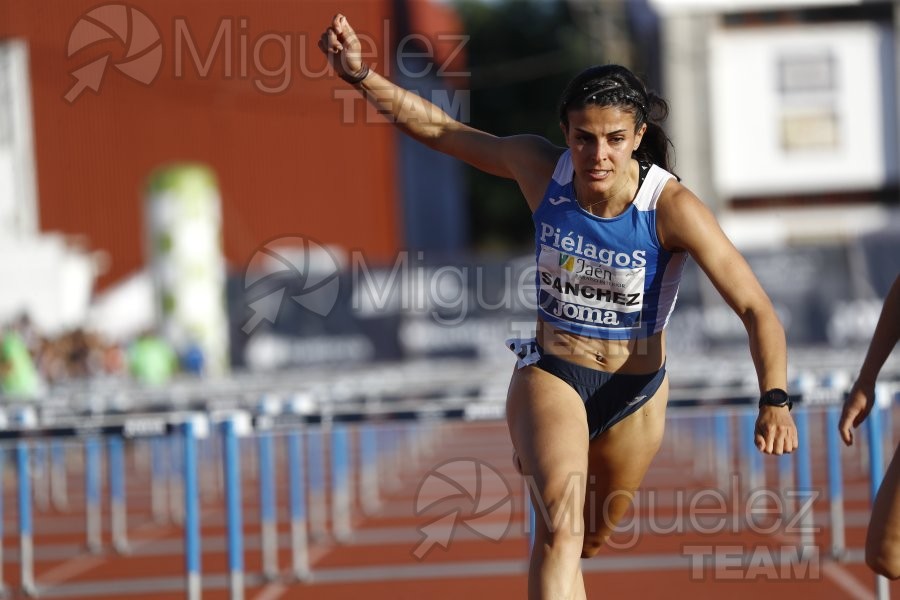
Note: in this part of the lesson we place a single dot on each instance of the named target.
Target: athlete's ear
(564, 129)
(639, 136)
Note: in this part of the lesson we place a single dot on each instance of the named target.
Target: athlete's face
(602, 139)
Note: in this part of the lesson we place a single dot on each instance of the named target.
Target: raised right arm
(528, 159)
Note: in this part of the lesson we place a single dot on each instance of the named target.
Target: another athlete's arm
(528, 159)
(862, 394)
(685, 224)
(883, 533)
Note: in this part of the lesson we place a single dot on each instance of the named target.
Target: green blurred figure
(19, 379)
(151, 360)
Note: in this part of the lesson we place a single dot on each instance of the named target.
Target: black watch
(776, 397)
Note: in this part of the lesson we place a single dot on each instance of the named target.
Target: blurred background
(187, 191)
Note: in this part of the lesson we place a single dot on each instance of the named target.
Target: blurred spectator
(151, 360)
(29, 361)
(19, 379)
(75, 355)
(192, 359)
(114, 359)
(29, 333)
(82, 356)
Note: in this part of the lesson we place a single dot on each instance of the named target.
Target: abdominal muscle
(637, 356)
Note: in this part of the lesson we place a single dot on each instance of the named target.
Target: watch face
(776, 397)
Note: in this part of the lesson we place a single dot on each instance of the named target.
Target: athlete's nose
(601, 151)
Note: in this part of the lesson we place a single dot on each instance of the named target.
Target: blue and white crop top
(604, 278)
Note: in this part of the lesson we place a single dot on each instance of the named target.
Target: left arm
(859, 402)
(685, 224)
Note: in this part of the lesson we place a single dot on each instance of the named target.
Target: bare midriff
(637, 356)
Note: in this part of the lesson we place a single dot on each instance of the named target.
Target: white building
(788, 105)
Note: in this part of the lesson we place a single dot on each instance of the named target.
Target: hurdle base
(123, 548)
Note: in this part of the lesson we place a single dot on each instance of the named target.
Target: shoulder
(682, 217)
(533, 150)
(676, 196)
(676, 199)
(532, 160)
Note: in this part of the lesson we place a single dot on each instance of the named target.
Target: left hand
(857, 407)
(775, 431)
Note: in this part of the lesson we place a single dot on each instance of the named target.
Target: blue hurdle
(268, 527)
(299, 543)
(59, 493)
(158, 479)
(40, 481)
(804, 475)
(722, 443)
(368, 460)
(118, 513)
(340, 485)
(875, 430)
(786, 482)
(92, 508)
(230, 429)
(316, 473)
(192, 512)
(26, 540)
(175, 471)
(752, 455)
(531, 523)
(835, 483)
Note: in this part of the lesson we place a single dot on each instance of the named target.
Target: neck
(615, 200)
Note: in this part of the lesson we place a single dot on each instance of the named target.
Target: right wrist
(358, 77)
(865, 380)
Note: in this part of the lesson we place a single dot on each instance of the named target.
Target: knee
(560, 524)
(595, 537)
(602, 519)
(886, 564)
(564, 532)
(592, 545)
(883, 550)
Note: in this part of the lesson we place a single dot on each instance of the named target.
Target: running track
(651, 558)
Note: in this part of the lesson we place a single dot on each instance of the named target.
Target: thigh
(548, 427)
(883, 535)
(620, 457)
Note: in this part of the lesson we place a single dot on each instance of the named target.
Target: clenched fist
(341, 45)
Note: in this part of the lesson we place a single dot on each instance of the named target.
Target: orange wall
(287, 164)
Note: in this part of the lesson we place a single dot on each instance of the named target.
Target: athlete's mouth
(598, 174)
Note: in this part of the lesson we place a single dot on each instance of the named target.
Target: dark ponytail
(615, 85)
